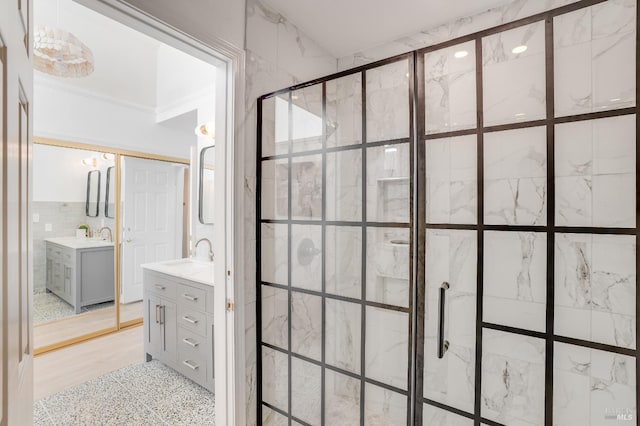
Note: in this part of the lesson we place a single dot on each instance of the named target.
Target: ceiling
(125, 60)
(344, 27)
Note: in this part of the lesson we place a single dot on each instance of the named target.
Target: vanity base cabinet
(80, 277)
(178, 326)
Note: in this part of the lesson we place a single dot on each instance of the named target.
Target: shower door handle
(443, 345)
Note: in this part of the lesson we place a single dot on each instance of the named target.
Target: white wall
(62, 112)
(59, 175)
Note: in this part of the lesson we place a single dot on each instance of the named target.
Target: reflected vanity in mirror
(206, 190)
(110, 194)
(92, 208)
(73, 253)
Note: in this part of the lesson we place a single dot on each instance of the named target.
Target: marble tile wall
(595, 288)
(590, 386)
(450, 85)
(595, 51)
(595, 172)
(513, 368)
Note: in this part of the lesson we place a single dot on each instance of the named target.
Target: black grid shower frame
(550, 229)
(364, 224)
(421, 226)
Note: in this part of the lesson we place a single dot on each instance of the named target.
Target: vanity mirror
(93, 194)
(110, 194)
(205, 197)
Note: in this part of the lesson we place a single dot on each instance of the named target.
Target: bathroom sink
(188, 268)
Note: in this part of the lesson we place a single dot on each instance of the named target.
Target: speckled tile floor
(141, 394)
(49, 307)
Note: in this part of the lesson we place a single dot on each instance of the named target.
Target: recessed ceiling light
(520, 114)
(460, 54)
(519, 49)
(614, 100)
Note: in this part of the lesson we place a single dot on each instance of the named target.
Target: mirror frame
(97, 201)
(203, 151)
(110, 171)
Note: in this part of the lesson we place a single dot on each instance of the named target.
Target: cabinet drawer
(192, 345)
(191, 297)
(193, 321)
(160, 286)
(194, 369)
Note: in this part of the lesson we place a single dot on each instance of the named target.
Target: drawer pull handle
(190, 342)
(190, 297)
(189, 319)
(160, 287)
(191, 365)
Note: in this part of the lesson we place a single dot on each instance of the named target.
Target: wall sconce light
(206, 130)
(90, 162)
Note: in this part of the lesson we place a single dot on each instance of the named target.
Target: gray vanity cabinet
(81, 276)
(178, 324)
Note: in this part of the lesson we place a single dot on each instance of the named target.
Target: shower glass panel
(335, 249)
(442, 243)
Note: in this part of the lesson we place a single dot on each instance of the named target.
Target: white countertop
(79, 243)
(199, 271)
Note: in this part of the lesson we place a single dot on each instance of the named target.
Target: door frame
(229, 312)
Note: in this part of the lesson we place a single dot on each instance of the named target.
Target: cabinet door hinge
(230, 305)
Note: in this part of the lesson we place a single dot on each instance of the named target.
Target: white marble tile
(451, 180)
(273, 418)
(387, 259)
(342, 340)
(595, 58)
(306, 187)
(300, 55)
(262, 30)
(275, 189)
(387, 347)
(515, 279)
(384, 407)
(595, 288)
(388, 170)
(344, 261)
(306, 391)
(595, 172)
(275, 378)
(344, 110)
(614, 201)
(451, 257)
(274, 257)
(275, 125)
(342, 399)
(388, 103)
(513, 383)
(450, 87)
(433, 416)
(515, 153)
(604, 382)
(306, 325)
(515, 177)
(306, 119)
(344, 185)
(306, 253)
(508, 100)
(275, 316)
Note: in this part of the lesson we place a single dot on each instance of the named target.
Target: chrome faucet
(210, 247)
(110, 232)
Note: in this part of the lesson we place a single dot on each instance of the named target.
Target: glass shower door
(335, 250)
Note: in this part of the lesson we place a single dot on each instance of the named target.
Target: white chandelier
(60, 53)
